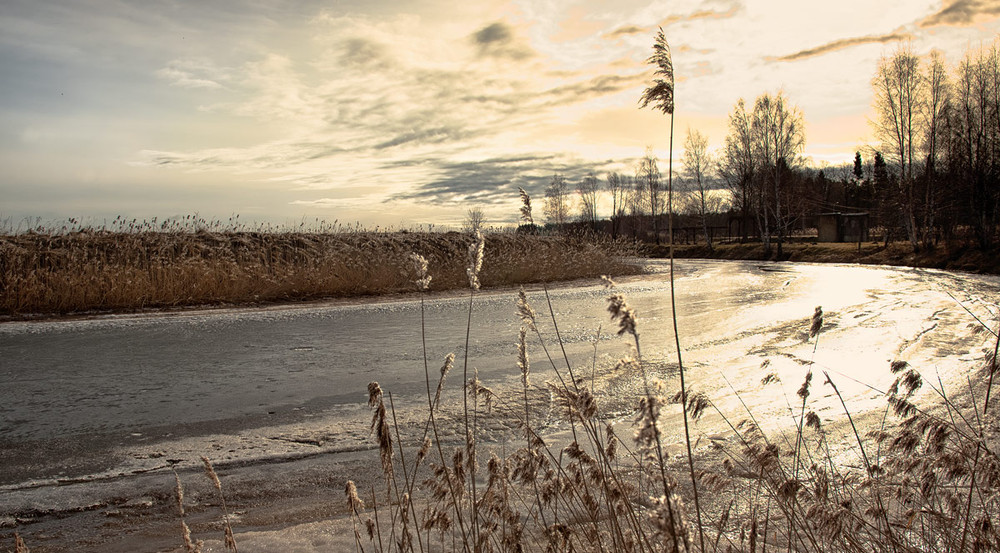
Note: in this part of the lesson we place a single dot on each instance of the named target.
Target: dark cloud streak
(733, 8)
(840, 45)
(499, 40)
(963, 12)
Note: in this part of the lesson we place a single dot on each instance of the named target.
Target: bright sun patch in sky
(407, 113)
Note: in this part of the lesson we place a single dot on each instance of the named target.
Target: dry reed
(143, 265)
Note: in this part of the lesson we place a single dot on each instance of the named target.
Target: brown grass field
(113, 270)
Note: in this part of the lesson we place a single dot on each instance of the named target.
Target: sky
(406, 114)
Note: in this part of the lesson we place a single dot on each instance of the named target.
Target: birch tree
(899, 96)
(697, 164)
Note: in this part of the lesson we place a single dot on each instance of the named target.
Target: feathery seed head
(19, 545)
(210, 472)
(475, 261)
(374, 394)
(522, 356)
(804, 389)
(816, 323)
(525, 310)
(424, 449)
(697, 404)
(179, 494)
(621, 312)
(354, 503)
(661, 93)
(769, 378)
(812, 420)
(526, 217)
(449, 362)
(420, 265)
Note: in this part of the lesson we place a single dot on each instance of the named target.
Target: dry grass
(143, 266)
(928, 479)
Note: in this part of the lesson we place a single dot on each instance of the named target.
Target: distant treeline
(933, 176)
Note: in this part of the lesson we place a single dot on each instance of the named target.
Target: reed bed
(926, 478)
(144, 265)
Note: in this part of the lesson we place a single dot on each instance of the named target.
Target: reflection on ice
(126, 395)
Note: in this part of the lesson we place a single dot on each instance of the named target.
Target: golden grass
(927, 480)
(141, 268)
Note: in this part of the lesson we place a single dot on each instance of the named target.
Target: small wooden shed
(843, 227)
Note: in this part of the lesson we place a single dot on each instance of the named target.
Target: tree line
(933, 173)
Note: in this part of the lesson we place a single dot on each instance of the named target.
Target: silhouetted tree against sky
(697, 165)
(738, 165)
(618, 186)
(588, 188)
(779, 135)
(648, 183)
(937, 107)
(976, 136)
(899, 96)
(557, 197)
(474, 219)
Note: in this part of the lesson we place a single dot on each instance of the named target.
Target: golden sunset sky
(408, 113)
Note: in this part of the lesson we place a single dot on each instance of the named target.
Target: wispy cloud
(190, 74)
(727, 10)
(963, 12)
(499, 40)
(840, 45)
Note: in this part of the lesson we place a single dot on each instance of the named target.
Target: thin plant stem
(677, 339)
(469, 438)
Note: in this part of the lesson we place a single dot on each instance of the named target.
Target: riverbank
(170, 396)
(897, 254)
(93, 271)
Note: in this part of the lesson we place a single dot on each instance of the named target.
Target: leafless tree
(899, 95)
(975, 148)
(589, 189)
(779, 135)
(647, 178)
(474, 219)
(697, 166)
(557, 199)
(936, 105)
(738, 164)
(618, 185)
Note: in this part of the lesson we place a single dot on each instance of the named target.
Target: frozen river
(93, 406)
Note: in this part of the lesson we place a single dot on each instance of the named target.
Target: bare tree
(936, 104)
(474, 219)
(779, 135)
(899, 85)
(557, 198)
(647, 179)
(635, 208)
(589, 188)
(738, 164)
(975, 152)
(618, 185)
(697, 165)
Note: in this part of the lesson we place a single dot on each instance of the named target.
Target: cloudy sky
(408, 113)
